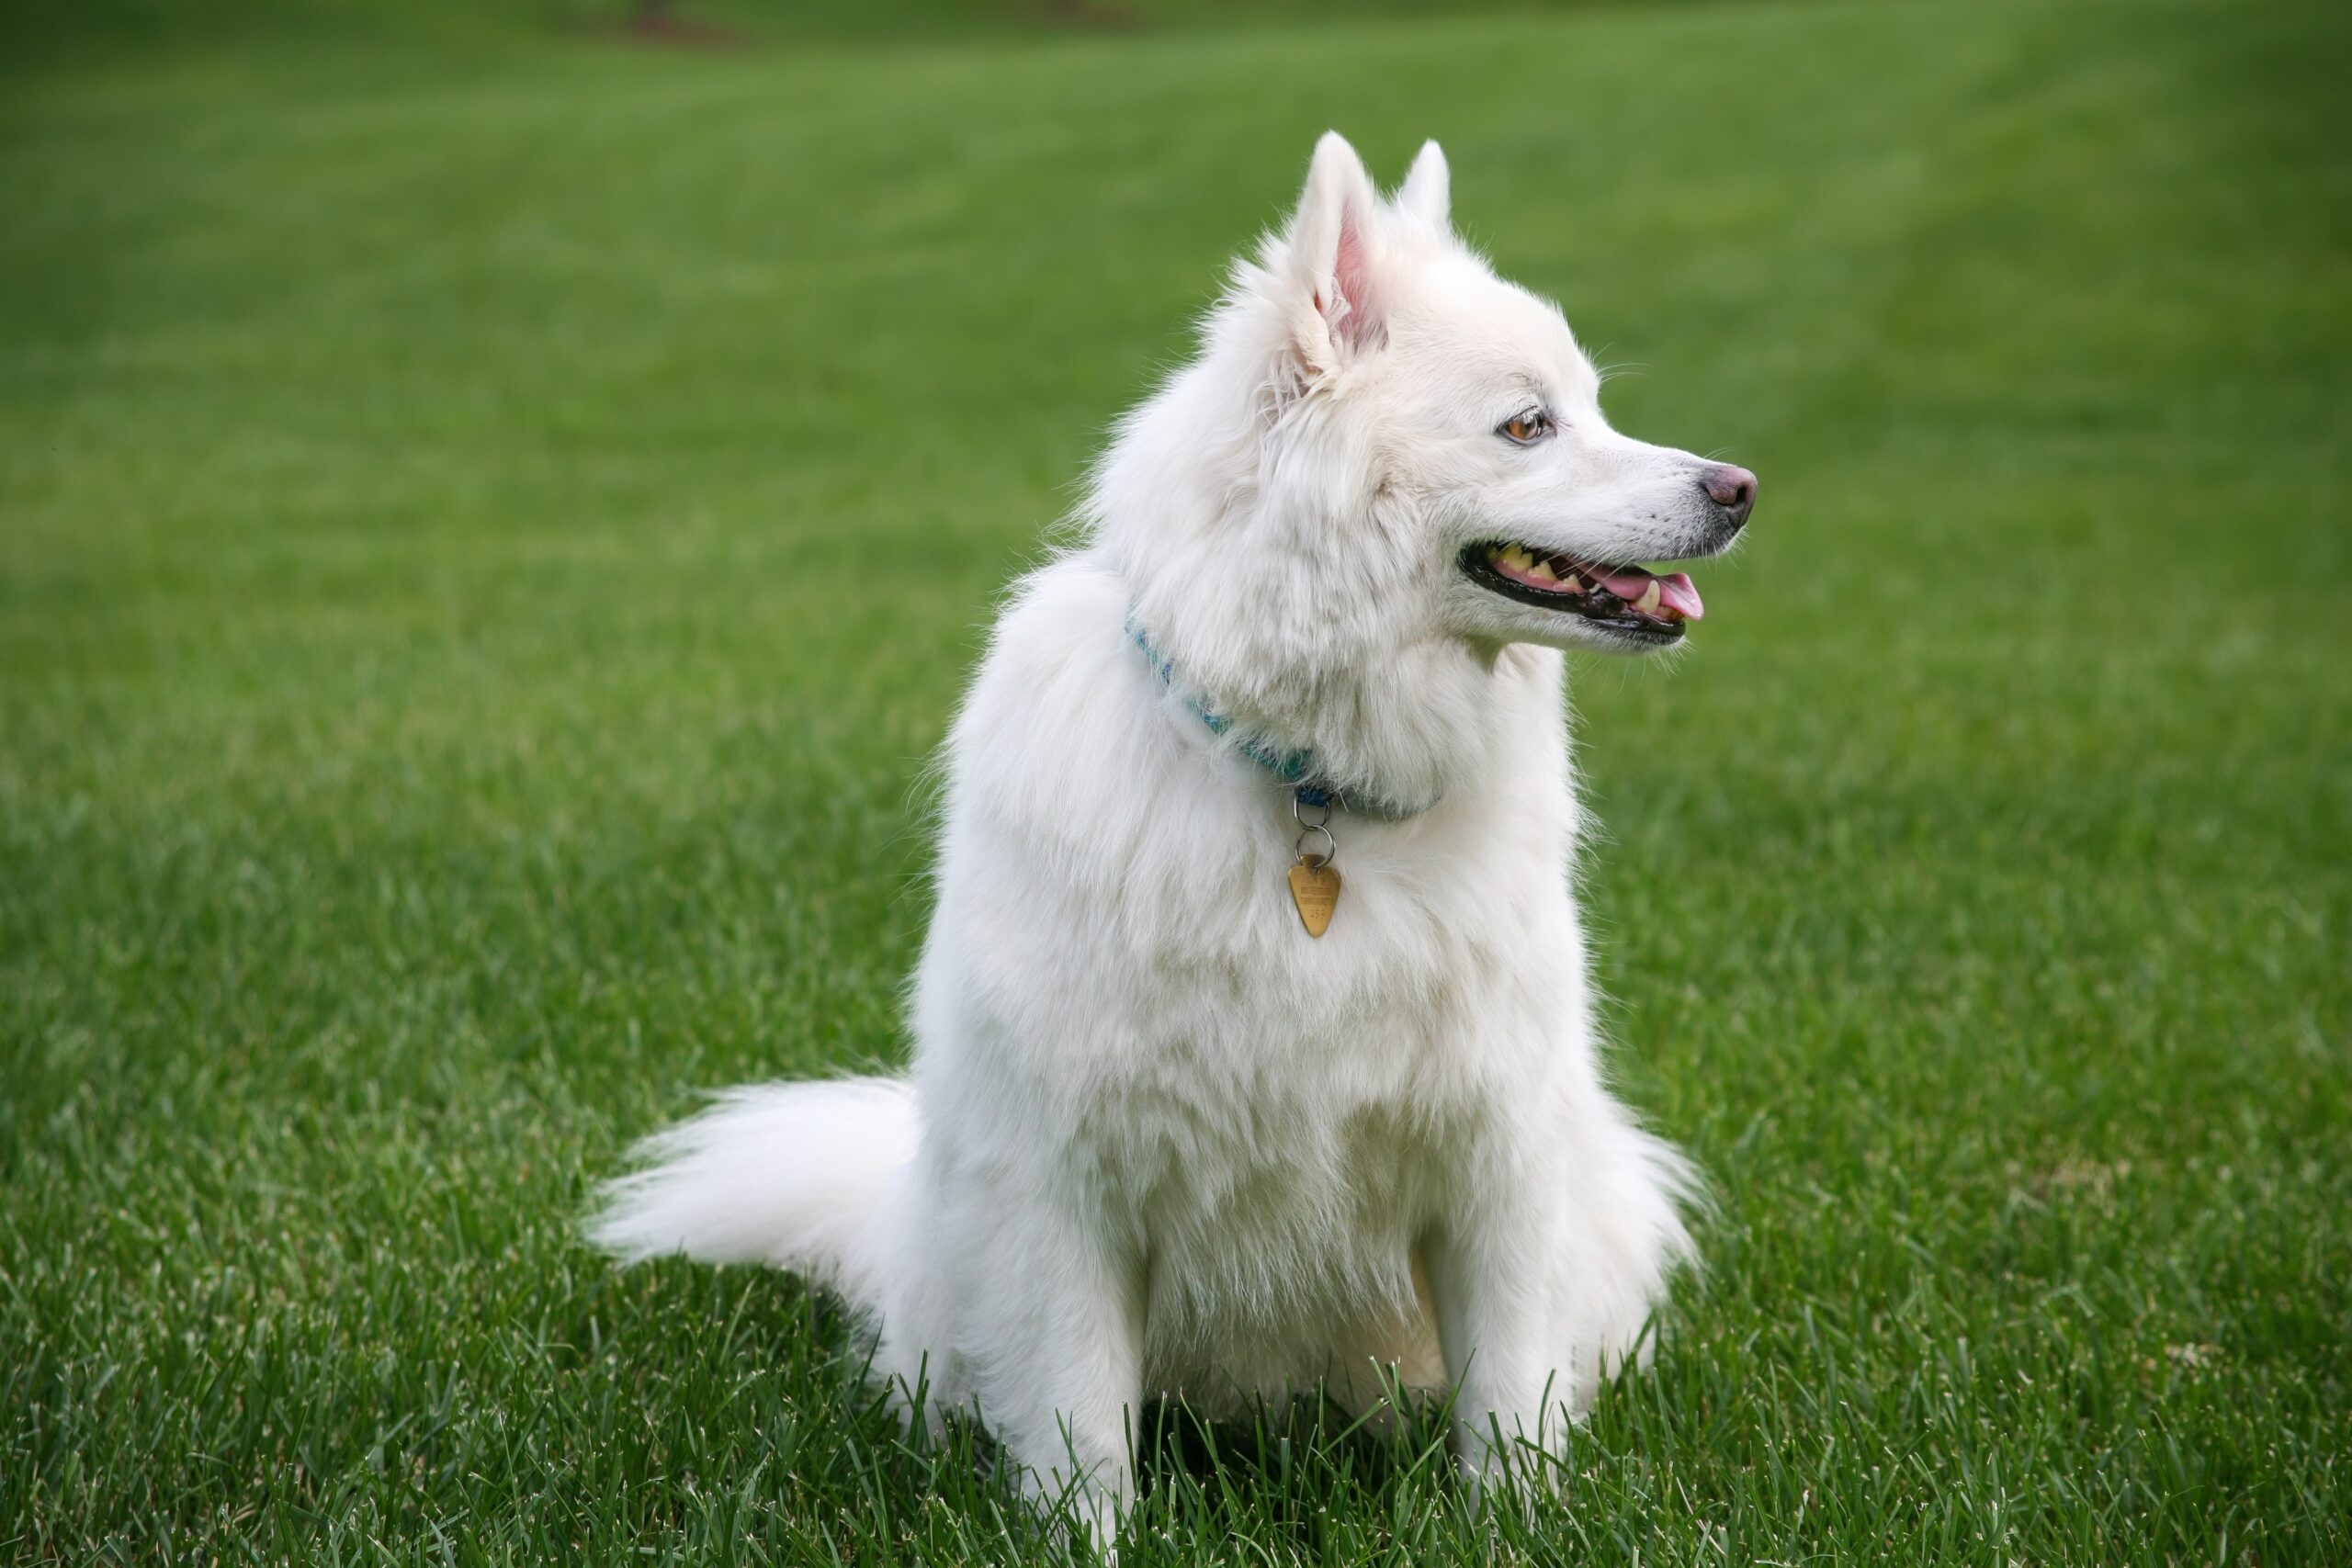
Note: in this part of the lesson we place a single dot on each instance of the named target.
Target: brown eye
(1528, 426)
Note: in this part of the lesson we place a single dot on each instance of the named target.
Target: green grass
(492, 524)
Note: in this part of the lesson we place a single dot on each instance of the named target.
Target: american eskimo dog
(1253, 1040)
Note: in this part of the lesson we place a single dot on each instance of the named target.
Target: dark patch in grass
(658, 25)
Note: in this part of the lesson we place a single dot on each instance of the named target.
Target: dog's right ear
(1332, 260)
(1428, 190)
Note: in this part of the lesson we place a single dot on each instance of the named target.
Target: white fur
(1156, 1137)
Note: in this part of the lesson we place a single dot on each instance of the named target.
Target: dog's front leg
(1489, 1282)
(1054, 1326)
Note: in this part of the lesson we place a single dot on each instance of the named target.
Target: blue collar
(1296, 768)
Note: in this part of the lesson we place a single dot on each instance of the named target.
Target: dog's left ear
(1332, 260)
(1427, 192)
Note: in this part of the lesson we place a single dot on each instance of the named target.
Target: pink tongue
(1675, 590)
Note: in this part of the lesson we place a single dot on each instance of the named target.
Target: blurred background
(497, 502)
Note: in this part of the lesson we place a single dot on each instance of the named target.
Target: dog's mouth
(1629, 600)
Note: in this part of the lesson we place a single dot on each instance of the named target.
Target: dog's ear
(1333, 259)
(1428, 191)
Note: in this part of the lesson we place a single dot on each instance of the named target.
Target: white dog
(1254, 1043)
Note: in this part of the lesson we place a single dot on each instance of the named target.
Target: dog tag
(1314, 888)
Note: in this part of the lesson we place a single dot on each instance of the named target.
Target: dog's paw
(1515, 1472)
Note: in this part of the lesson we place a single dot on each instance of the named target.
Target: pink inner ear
(1351, 277)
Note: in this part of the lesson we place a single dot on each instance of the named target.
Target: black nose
(1732, 489)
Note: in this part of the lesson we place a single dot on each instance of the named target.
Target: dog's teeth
(1649, 601)
(1542, 571)
(1573, 583)
(1517, 556)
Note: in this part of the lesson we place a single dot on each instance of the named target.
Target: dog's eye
(1526, 427)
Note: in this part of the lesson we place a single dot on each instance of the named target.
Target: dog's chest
(1285, 1201)
(1290, 1110)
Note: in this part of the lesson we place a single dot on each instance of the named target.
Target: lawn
(494, 521)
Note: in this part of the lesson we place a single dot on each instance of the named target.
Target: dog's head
(1470, 396)
(1419, 433)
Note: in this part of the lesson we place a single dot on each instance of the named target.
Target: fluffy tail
(794, 1174)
